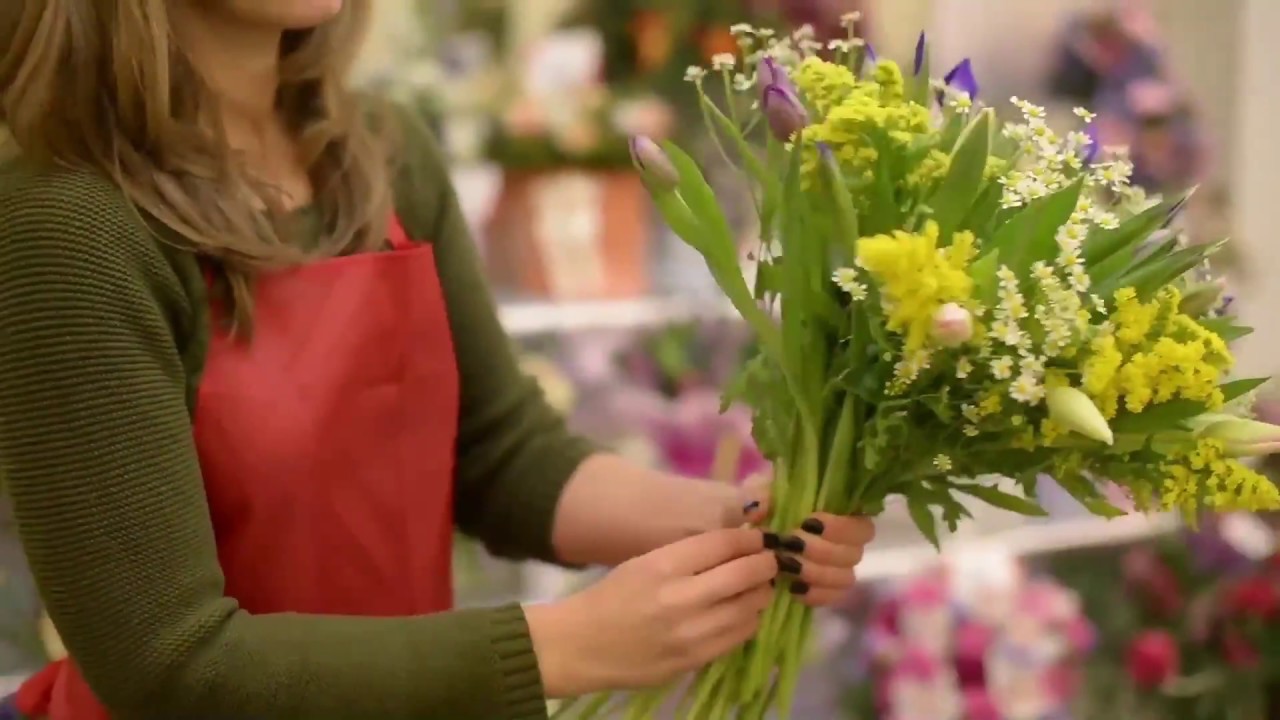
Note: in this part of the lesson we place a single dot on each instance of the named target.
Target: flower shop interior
(1144, 616)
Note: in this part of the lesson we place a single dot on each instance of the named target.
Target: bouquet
(1008, 653)
(942, 298)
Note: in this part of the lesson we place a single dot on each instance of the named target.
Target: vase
(571, 235)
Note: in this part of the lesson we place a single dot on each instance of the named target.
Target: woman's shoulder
(79, 228)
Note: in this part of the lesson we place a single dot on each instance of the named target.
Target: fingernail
(788, 564)
(793, 544)
(772, 541)
(751, 506)
(799, 587)
(813, 526)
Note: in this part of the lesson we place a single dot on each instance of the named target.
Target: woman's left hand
(820, 555)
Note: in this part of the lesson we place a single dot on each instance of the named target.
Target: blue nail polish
(753, 505)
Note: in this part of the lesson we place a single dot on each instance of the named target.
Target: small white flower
(1002, 367)
(847, 280)
(850, 19)
(970, 431)
(960, 102)
(942, 463)
(1027, 389)
(963, 367)
(695, 74)
(1084, 114)
(723, 61)
(741, 29)
(743, 82)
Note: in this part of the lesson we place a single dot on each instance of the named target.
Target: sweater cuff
(520, 681)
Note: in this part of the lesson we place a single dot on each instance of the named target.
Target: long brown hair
(101, 84)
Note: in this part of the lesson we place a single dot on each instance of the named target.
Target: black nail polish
(771, 541)
(799, 587)
(813, 526)
(792, 544)
(789, 565)
(749, 507)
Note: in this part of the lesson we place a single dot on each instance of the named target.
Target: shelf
(523, 319)
(1032, 538)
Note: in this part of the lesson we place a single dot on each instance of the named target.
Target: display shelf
(528, 318)
(886, 562)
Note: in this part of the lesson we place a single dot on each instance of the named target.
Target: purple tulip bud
(785, 113)
(654, 165)
(872, 58)
(918, 64)
(771, 74)
(962, 78)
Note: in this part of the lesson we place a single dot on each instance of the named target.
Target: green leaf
(985, 283)
(883, 214)
(981, 218)
(922, 515)
(1031, 234)
(764, 177)
(1225, 328)
(1240, 388)
(1103, 244)
(1151, 278)
(1003, 500)
(954, 199)
(701, 199)
(1158, 418)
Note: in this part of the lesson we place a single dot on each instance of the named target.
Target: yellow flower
(1225, 485)
(1155, 354)
(916, 278)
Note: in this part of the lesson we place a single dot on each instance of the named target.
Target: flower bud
(1074, 411)
(785, 113)
(1242, 437)
(771, 74)
(655, 167)
(1153, 659)
(952, 325)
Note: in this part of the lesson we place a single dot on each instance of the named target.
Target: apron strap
(397, 235)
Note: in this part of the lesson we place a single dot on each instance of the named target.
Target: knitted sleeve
(96, 450)
(514, 452)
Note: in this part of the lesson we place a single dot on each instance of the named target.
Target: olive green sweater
(103, 331)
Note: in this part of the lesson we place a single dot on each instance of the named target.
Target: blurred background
(1067, 617)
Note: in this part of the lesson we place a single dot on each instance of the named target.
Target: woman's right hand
(656, 616)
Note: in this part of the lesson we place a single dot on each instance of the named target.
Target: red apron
(327, 450)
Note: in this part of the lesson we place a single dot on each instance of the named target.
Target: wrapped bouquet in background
(942, 298)
(1011, 652)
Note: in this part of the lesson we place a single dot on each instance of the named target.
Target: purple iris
(1094, 145)
(918, 64)
(961, 78)
(872, 58)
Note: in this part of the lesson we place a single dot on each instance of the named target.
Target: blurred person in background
(251, 378)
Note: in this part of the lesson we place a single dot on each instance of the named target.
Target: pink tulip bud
(784, 111)
(653, 163)
(952, 325)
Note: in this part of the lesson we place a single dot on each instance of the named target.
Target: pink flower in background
(1049, 602)
(978, 705)
(1082, 636)
(1153, 659)
(973, 640)
(918, 663)
(692, 432)
(1238, 651)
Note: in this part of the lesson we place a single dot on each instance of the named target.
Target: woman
(250, 379)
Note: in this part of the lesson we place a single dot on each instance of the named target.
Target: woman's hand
(819, 556)
(656, 616)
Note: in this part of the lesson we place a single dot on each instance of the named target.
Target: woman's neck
(239, 62)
